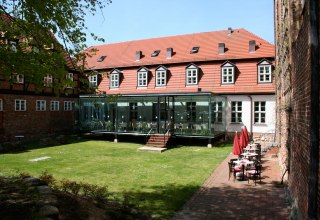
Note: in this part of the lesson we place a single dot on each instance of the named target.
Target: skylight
(102, 58)
(194, 50)
(155, 53)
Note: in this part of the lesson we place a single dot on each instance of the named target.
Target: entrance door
(165, 113)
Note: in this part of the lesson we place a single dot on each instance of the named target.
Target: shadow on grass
(161, 201)
(25, 146)
(265, 201)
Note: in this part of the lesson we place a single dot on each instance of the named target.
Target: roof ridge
(260, 38)
(163, 37)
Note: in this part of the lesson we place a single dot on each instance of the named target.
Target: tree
(27, 38)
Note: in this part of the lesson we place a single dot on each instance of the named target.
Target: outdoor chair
(233, 170)
(254, 173)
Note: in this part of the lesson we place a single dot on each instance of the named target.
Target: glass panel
(267, 69)
(256, 117)
(261, 69)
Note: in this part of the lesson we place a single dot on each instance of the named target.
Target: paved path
(220, 198)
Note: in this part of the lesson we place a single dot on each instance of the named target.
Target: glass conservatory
(194, 114)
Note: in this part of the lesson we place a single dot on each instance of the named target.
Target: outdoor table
(243, 163)
(252, 150)
(249, 155)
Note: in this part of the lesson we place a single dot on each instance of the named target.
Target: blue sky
(125, 20)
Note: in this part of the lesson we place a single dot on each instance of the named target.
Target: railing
(166, 132)
(148, 134)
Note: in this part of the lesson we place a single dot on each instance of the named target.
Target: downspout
(314, 112)
(210, 124)
(116, 122)
(251, 107)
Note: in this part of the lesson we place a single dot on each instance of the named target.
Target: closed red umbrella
(242, 141)
(246, 135)
(236, 150)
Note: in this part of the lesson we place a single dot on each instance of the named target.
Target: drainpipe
(116, 122)
(314, 112)
(209, 124)
(251, 107)
(225, 116)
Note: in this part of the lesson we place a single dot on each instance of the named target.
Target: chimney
(252, 46)
(138, 55)
(169, 52)
(221, 48)
(230, 30)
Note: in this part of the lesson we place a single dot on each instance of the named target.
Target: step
(152, 149)
(155, 145)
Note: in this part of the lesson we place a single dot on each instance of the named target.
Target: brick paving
(220, 198)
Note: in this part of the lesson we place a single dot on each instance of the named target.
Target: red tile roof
(237, 47)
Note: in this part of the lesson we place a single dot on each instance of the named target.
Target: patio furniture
(243, 164)
(254, 173)
(233, 170)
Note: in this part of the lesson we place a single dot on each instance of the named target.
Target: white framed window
(143, 77)
(236, 112)
(19, 78)
(93, 81)
(227, 73)
(13, 45)
(40, 105)
(67, 105)
(161, 76)
(69, 77)
(217, 112)
(47, 80)
(1, 105)
(20, 105)
(114, 80)
(54, 105)
(264, 72)
(260, 112)
(192, 75)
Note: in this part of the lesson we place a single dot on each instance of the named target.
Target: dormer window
(227, 73)
(69, 77)
(115, 79)
(194, 50)
(93, 81)
(47, 80)
(143, 77)
(13, 44)
(19, 78)
(192, 74)
(161, 76)
(264, 72)
(155, 53)
(101, 58)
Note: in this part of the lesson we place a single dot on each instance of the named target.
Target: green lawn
(158, 183)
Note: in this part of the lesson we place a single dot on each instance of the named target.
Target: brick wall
(31, 123)
(294, 98)
(300, 119)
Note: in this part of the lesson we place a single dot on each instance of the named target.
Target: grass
(157, 183)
